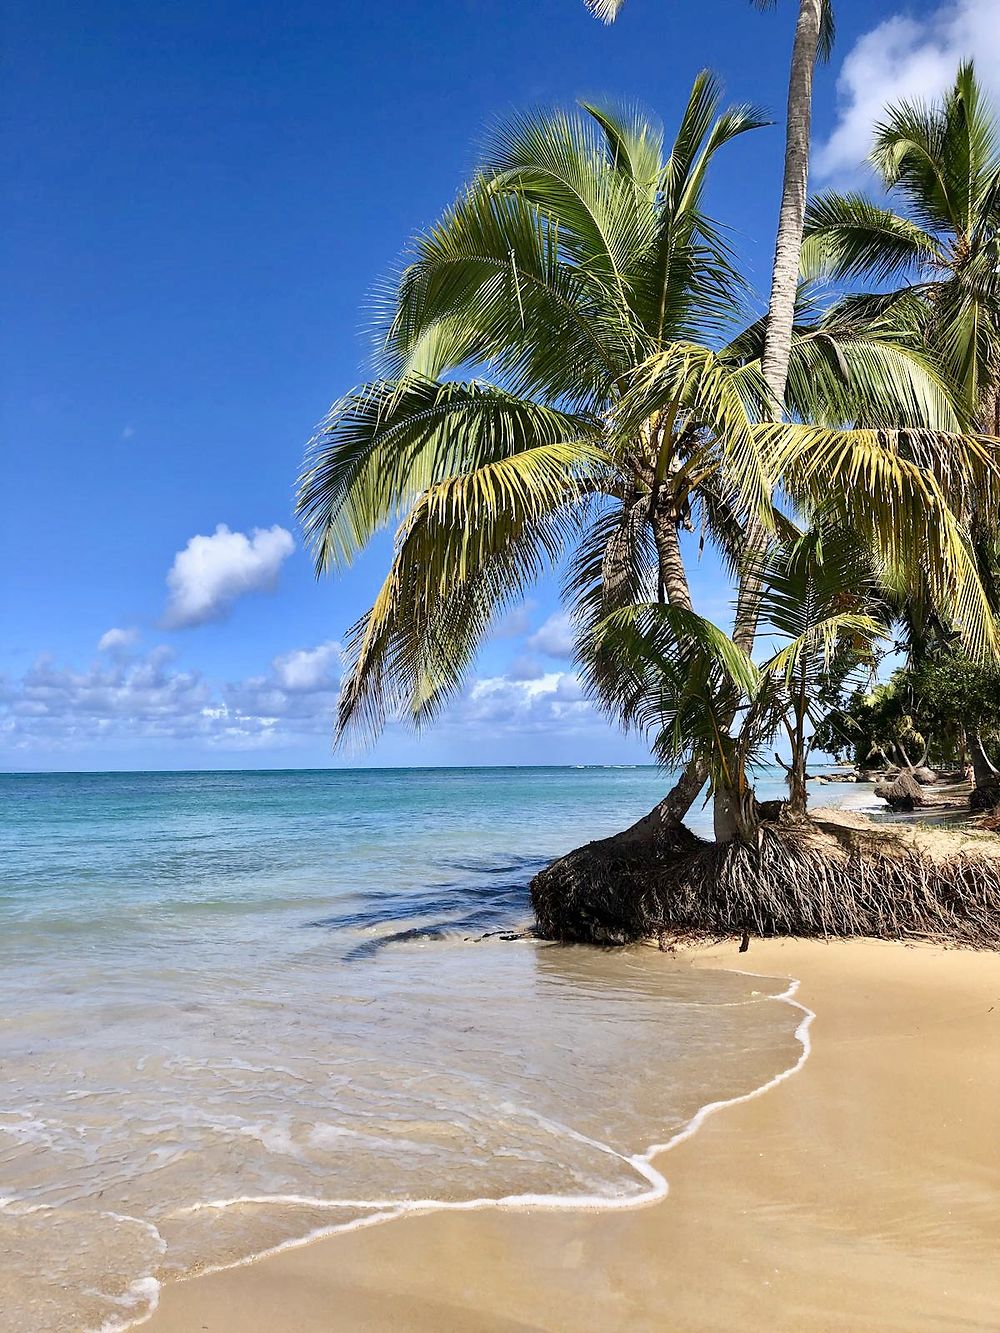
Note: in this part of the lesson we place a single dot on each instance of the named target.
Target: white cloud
(148, 702)
(210, 573)
(554, 701)
(905, 57)
(146, 698)
(115, 639)
(309, 669)
(554, 638)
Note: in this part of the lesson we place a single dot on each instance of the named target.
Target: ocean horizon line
(312, 768)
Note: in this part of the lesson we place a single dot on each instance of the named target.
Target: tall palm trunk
(788, 245)
(672, 576)
(781, 309)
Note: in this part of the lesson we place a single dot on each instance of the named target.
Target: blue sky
(203, 195)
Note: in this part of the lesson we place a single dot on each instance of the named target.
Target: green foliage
(958, 692)
(940, 255)
(568, 381)
(866, 724)
(942, 704)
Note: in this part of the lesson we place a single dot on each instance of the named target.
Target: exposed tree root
(902, 793)
(837, 877)
(985, 799)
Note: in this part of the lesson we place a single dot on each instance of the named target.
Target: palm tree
(581, 277)
(821, 602)
(675, 677)
(936, 261)
(814, 34)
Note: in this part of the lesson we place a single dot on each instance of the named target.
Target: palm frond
(606, 10)
(468, 549)
(870, 482)
(689, 385)
(385, 443)
(847, 236)
(498, 266)
(675, 678)
(819, 642)
(635, 145)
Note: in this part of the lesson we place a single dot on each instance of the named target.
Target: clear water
(241, 1008)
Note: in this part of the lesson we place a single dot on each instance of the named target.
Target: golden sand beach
(861, 1193)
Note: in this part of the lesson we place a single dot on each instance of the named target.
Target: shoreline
(702, 1252)
(642, 1163)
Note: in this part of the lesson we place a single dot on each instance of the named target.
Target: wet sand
(862, 1193)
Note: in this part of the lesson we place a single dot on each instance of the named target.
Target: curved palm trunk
(675, 590)
(733, 809)
(984, 773)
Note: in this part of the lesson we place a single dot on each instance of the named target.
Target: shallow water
(239, 1008)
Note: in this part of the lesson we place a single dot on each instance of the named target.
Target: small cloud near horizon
(211, 573)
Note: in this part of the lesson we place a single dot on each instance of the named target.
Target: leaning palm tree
(814, 33)
(932, 268)
(676, 677)
(559, 390)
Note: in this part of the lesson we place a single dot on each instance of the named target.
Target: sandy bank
(864, 1193)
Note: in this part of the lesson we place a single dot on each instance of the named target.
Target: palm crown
(938, 258)
(565, 382)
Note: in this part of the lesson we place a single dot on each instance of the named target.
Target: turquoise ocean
(241, 1009)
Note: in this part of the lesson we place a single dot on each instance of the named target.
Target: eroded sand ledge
(864, 1193)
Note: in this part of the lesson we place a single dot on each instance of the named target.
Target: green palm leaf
(384, 444)
(469, 547)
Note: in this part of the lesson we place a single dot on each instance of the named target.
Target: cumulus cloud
(517, 621)
(147, 698)
(114, 640)
(906, 58)
(554, 637)
(554, 700)
(210, 573)
(309, 669)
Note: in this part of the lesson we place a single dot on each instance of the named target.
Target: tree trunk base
(902, 795)
(985, 798)
(802, 878)
(605, 892)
